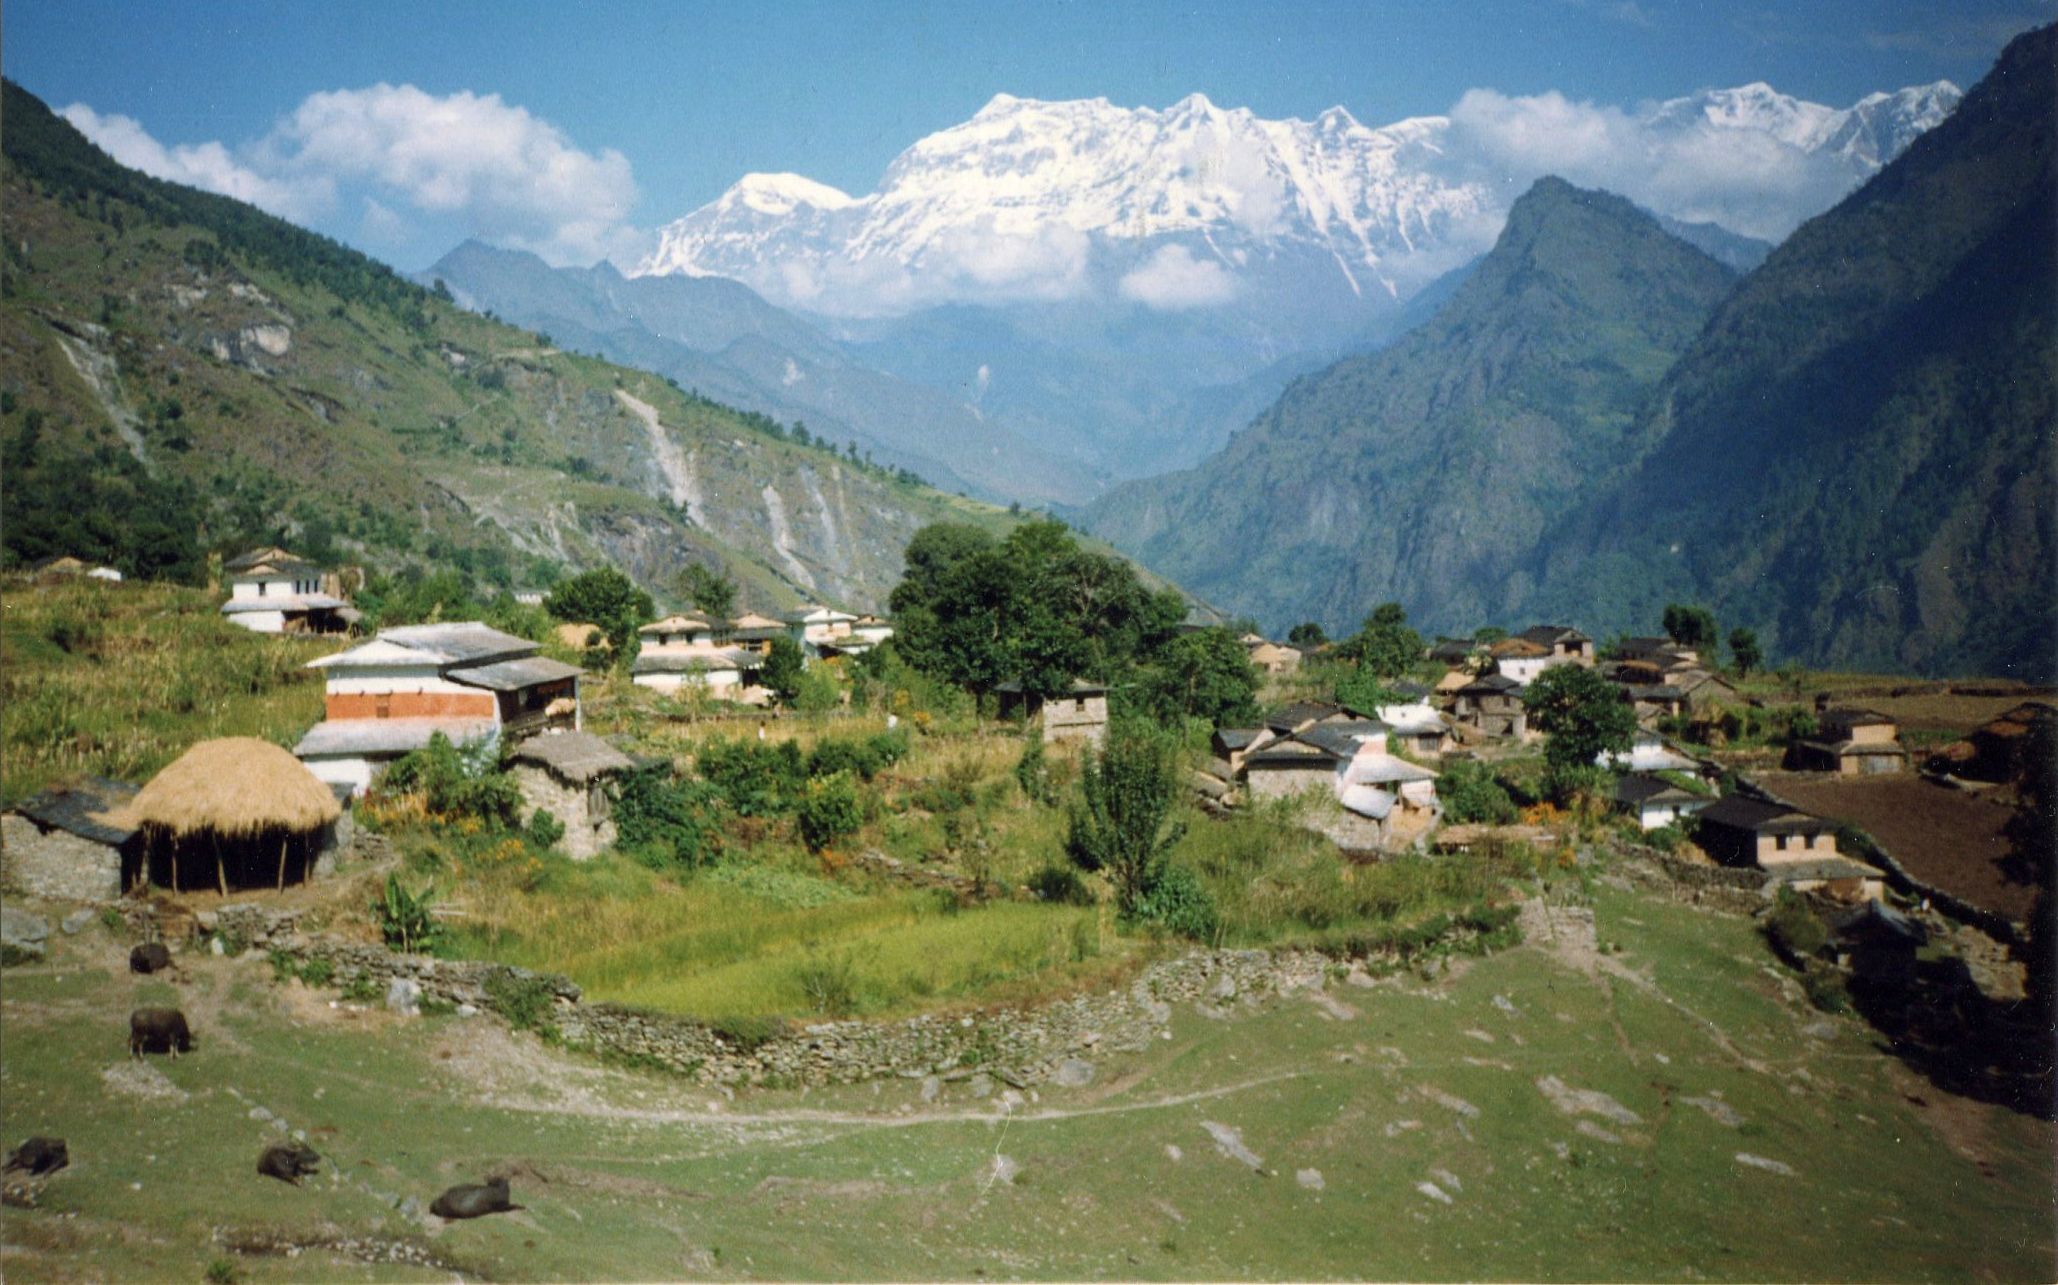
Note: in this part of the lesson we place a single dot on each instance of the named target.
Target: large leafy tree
(708, 589)
(1583, 714)
(1205, 674)
(1744, 650)
(606, 599)
(1690, 626)
(1123, 823)
(1384, 646)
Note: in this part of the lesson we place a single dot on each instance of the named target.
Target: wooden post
(221, 876)
(282, 862)
(175, 866)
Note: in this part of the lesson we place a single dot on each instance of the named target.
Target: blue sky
(661, 106)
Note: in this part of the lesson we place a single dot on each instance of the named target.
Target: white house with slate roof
(282, 595)
(389, 696)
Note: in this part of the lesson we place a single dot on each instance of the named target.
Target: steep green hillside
(1856, 457)
(1419, 473)
(185, 373)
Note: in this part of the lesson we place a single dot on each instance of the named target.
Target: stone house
(567, 774)
(1703, 688)
(1656, 802)
(273, 592)
(1850, 742)
(72, 842)
(1493, 705)
(1651, 703)
(751, 632)
(1791, 846)
(1563, 645)
(1519, 659)
(1080, 713)
(728, 673)
(677, 631)
(1272, 658)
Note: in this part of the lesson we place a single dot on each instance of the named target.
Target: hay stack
(235, 787)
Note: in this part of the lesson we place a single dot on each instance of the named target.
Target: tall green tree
(1307, 635)
(1122, 822)
(1582, 713)
(1206, 674)
(1690, 626)
(608, 600)
(1384, 645)
(783, 668)
(708, 590)
(1743, 649)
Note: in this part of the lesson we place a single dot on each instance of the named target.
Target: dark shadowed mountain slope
(1422, 472)
(1856, 458)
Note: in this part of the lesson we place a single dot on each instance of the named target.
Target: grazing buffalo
(150, 957)
(159, 1030)
(473, 1202)
(289, 1161)
(37, 1156)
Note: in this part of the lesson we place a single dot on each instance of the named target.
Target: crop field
(1944, 837)
(1645, 1099)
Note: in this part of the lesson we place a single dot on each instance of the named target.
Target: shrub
(1794, 928)
(830, 984)
(457, 782)
(753, 778)
(1032, 771)
(1121, 822)
(545, 830)
(1060, 884)
(829, 810)
(525, 1001)
(1178, 902)
(1471, 793)
(748, 1033)
(666, 821)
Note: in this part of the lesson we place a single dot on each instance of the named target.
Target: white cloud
(1692, 169)
(207, 166)
(498, 170)
(1172, 279)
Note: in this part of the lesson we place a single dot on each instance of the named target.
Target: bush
(545, 830)
(1061, 885)
(1032, 771)
(525, 1001)
(667, 821)
(829, 810)
(863, 757)
(1472, 794)
(457, 782)
(1794, 928)
(753, 778)
(830, 984)
(1178, 902)
(1121, 823)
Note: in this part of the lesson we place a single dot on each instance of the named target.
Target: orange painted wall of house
(410, 705)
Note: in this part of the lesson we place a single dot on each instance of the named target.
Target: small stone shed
(1079, 713)
(72, 842)
(235, 812)
(566, 774)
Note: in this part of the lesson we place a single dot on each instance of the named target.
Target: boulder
(22, 935)
(404, 995)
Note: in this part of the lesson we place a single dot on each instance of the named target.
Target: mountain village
(1490, 761)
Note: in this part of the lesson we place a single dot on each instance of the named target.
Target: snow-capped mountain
(1195, 205)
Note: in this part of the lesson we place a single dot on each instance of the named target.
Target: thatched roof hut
(246, 804)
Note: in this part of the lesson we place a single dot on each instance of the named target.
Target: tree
(1384, 645)
(1120, 824)
(1583, 714)
(783, 667)
(1307, 635)
(607, 599)
(708, 589)
(1690, 626)
(1743, 649)
(1362, 690)
(1207, 675)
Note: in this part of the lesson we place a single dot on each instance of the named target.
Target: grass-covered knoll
(119, 679)
(1351, 1107)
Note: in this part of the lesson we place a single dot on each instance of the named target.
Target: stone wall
(584, 811)
(1016, 1045)
(56, 863)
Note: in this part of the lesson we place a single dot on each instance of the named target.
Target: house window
(1079, 705)
(1779, 842)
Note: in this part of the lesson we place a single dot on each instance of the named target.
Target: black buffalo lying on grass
(150, 957)
(37, 1156)
(289, 1161)
(473, 1202)
(159, 1030)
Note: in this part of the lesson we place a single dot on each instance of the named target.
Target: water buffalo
(37, 1156)
(289, 1161)
(153, 1030)
(473, 1202)
(150, 957)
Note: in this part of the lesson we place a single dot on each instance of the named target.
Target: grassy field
(119, 679)
(1350, 1107)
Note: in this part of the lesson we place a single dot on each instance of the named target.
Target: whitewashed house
(1656, 802)
(817, 627)
(389, 696)
(273, 592)
(728, 673)
(678, 631)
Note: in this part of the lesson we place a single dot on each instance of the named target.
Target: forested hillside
(1856, 457)
(185, 374)
(1419, 473)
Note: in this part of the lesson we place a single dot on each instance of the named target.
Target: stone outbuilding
(1851, 742)
(567, 774)
(72, 842)
(1079, 713)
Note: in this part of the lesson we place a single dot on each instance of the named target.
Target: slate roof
(463, 641)
(1490, 685)
(1638, 790)
(1236, 738)
(283, 602)
(676, 624)
(1819, 868)
(697, 661)
(1367, 801)
(89, 807)
(386, 736)
(513, 675)
(1552, 635)
(1849, 716)
(245, 561)
(1079, 687)
(1740, 813)
(578, 757)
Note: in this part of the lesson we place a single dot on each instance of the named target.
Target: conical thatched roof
(235, 786)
